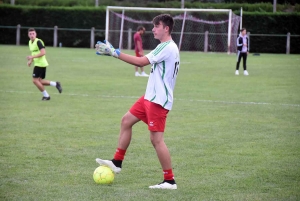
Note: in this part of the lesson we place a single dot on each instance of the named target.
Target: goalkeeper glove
(106, 49)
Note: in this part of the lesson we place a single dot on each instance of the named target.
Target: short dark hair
(243, 29)
(140, 28)
(166, 19)
(31, 29)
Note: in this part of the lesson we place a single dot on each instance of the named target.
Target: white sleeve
(158, 56)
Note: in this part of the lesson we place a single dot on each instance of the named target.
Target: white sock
(45, 94)
(52, 83)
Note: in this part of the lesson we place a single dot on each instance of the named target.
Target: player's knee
(35, 80)
(153, 141)
(156, 141)
(125, 121)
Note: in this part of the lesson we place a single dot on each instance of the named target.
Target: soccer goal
(206, 30)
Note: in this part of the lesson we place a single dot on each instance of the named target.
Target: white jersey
(165, 65)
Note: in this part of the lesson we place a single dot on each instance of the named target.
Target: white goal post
(214, 28)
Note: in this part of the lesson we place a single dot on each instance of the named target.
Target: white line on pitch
(179, 99)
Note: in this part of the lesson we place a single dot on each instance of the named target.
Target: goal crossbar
(166, 9)
(183, 10)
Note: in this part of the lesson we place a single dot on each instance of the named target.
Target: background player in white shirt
(153, 107)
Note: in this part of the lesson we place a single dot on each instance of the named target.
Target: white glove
(106, 49)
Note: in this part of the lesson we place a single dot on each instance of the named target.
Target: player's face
(32, 35)
(143, 31)
(159, 31)
(244, 32)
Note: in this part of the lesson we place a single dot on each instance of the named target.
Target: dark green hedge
(87, 17)
(275, 23)
(272, 23)
(235, 5)
(257, 7)
(68, 17)
(84, 18)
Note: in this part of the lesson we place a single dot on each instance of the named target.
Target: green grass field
(230, 137)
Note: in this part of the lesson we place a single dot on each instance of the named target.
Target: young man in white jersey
(153, 107)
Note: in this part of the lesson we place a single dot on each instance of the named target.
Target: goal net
(206, 30)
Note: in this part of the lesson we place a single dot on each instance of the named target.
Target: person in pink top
(139, 52)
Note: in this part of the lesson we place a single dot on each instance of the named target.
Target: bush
(83, 17)
(235, 5)
(67, 17)
(87, 17)
(271, 23)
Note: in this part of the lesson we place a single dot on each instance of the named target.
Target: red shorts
(152, 114)
(137, 53)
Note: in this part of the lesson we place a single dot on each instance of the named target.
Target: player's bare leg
(143, 74)
(161, 149)
(164, 157)
(128, 120)
(52, 83)
(45, 82)
(137, 71)
(37, 82)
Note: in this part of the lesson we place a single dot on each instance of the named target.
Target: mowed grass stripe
(135, 97)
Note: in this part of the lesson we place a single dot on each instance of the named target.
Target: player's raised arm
(108, 50)
(137, 61)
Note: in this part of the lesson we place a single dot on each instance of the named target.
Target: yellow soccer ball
(103, 175)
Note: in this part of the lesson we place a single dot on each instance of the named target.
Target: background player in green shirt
(38, 56)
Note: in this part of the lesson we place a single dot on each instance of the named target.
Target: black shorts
(39, 72)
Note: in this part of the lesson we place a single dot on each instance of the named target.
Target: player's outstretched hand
(106, 49)
(29, 63)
